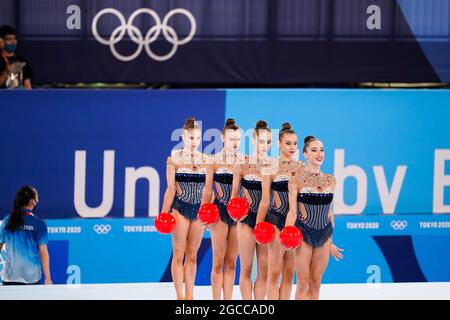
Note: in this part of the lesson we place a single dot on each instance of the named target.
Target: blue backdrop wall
(98, 160)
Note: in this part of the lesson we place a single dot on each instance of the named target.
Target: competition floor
(165, 291)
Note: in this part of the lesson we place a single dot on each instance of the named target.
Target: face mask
(10, 48)
(35, 205)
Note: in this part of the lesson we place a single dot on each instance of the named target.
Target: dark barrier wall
(233, 41)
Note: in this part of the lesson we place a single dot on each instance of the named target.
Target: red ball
(238, 208)
(264, 232)
(165, 223)
(208, 213)
(291, 237)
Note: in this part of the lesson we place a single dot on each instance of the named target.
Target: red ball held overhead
(209, 213)
(238, 208)
(165, 223)
(291, 237)
(264, 232)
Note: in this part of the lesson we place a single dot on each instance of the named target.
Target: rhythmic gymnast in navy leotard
(310, 196)
(249, 174)
(274, 208)
(223, 233)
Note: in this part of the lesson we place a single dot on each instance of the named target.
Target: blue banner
(377, 249)
(78, 148)
(389, 150)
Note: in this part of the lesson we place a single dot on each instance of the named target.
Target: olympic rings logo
(399, 224)
(152, 34)
(102, 228)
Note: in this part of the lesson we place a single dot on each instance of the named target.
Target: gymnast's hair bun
(230, 122)
(190, 123)
(308, 139)
(286, 126)
(261, 124)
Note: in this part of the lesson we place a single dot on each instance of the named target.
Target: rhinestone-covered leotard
(279, 190)
(314, 201)
(190, 178)
(251, 183)
(223, 177)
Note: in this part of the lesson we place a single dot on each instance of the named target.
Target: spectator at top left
(15, 70)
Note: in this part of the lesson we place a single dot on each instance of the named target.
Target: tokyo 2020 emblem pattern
(398, 225)
(102, 229)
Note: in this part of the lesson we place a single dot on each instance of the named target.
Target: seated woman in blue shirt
(25, 239)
